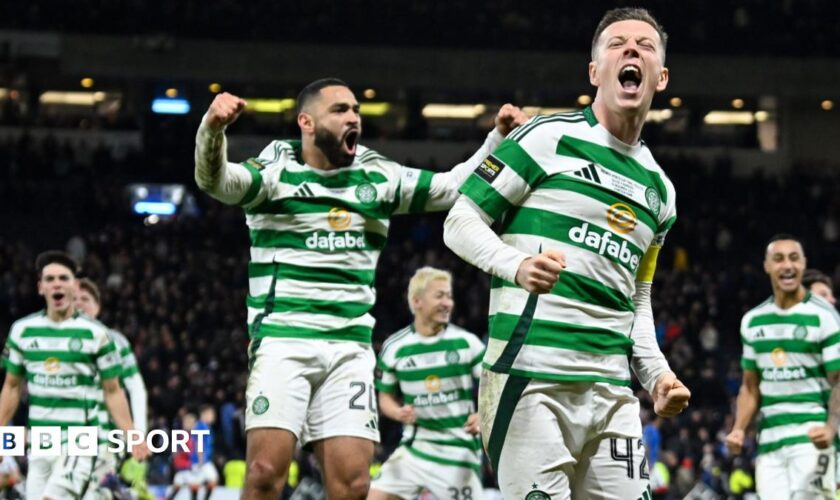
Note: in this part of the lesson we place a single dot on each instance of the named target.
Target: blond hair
(418, 283)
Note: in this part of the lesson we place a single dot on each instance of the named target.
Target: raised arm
(227, 182)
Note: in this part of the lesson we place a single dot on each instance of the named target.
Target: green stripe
(380, 363)
(775, 445)
(254, 188)
(787, 319)
(514, 386)
(65, 356)
(560, 335)
(63, 403)
(314, 274)
(128, 372)
(421, 192)
(478, 357)
(57, 333)
(294, 206)
(583, 289)
(485, 196)
(526, 129)
(831, 340)
(789, 345)
(473, 444)
(107, 349)
(444, 461)
(832, 366)
(810, 372)
(339, 179)
(292, 304)
(820, 398)
(356, 333)
(79, 379)
(517, 336)
(112, 372)
(463, 395)
(12, 345)
(590, 116)
(383, 387)
(559, 227)
(612, 160)
(125, 352)
(515, 157)
(13, 368)
(749, 364)
(667, 224)
(439, 346)
(439, 424)
(562, 377)
(94, 421)
(601, 193)
(439, 371)
(791, 418)
(270, 238)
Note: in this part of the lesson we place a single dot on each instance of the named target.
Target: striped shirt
(791, 350)
(435, 374)
(128, 367)
(316, 236)
(62, 363)
(563, 182)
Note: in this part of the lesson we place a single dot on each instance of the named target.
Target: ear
(41, 290)
(306, 123)
(766, 266)
(663, 80)
(593, 74)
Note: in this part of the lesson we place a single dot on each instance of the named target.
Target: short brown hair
(90, 287)
(628, 14)
(55, 257)
(811, 276)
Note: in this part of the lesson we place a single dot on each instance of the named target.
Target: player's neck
(427, 328)
(58, 316)
(786, 300)
(627, 128)
(314, 157)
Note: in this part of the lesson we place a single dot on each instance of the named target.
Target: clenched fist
(224, 110)
(508, 118)
(735, 441)
(540, 273)
(670, 396)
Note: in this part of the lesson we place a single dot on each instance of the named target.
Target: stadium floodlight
(154, 208)
(166, 106)
(374, 108)
(729, 118)
(454, 111)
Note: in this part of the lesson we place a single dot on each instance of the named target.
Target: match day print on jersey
(490, 168)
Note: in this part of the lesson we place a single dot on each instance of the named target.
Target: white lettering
(114, 437)
(82, 441)
(603, 244)
(180, 440)
(331, 241)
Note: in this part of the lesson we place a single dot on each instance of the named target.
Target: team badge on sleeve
(490, 168)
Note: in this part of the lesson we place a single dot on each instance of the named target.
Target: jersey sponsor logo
(332, 241)
(52, 365)
(75, 344)
(260, 405)
(490, 168)
(589, 173)
(652, 199)
(778, 356)
(439, 398)
(366, 193)
(338, 218)
(433, 383)
(800, 332)
(603, 244)
(621, 218)
(55, 380)
(304, 191)
(783, 374)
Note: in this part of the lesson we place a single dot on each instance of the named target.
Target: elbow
(450, 229)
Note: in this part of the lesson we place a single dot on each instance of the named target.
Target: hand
(508, 118)
(472, 424)
(735, 441)
(224, 110)
(670, 396)
(822, 436)
(140, 451)
(539, 274)
(405, 414)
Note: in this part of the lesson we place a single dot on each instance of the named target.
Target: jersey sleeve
(386, 372)
(647, 267)
(107, 359)
(127, 359)
(748, 354)
(830, 342)
(12, 355)
(477, 349)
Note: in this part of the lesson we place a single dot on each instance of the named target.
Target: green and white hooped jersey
(563, 182)
(791, 350)
(435, 375)
(62, 364)
(316, 237)
(128, 364)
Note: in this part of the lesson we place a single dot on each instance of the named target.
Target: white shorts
(795, 472)
(183, 478)
(207, 473)
(316, 389)
(562, 440)
(406, 475)
(63, 477)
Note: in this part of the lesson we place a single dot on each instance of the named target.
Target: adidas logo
(34, 345)
(589, 173)
(372, 424)
(304, 191)
(410, 363)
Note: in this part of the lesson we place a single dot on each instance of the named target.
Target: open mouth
(787, 278)
(58, 296)
(630, 77)
(350, 140)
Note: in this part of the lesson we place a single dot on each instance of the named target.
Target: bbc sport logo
(83, 441)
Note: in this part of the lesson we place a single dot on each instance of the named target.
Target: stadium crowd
(175, 288)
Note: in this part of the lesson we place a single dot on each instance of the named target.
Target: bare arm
(118, 408)
(9, 398)
(823, 436)
(393, 409)
(746, 407)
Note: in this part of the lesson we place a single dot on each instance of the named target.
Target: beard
(331, 146)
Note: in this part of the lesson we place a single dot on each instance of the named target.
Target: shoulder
(395, 340)
(276, 154)
(97, 328)
(34, 319)
(542, 126)
(758, 310)
(829, 317)
(119, 339)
